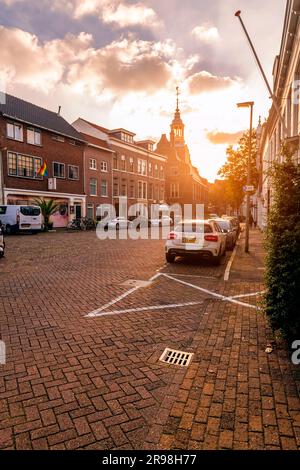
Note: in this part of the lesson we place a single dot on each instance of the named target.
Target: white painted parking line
(144, 309)
(117, 299)
(230, 262)
(192, 275)
(246, 295)
(213, 294)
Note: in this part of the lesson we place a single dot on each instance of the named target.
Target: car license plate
(25, 225)
(189, 240)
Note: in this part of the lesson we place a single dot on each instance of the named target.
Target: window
(115, 162)
(124, 188)
(131, 165)
(73, 172)
(132, 189)
(116, 187)
(142, 167)
(150, 169)
(162, 173)
(58, 138)
(90, 211)
(24, 166)
(3, 210)
(126, 137)
(104, 188)
(93, 164)
(58, 170)
(15, 131)
(142, 190)
(162, 193)
(34, 136)
(29, 210)
(123, 163)
(174, 190)
(104, 167)
(150, 191)
(93, 187)
(155, 170)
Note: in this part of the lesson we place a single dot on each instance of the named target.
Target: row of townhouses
(277, 131)
(89, 166)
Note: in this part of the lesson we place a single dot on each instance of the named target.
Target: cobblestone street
(83, 347)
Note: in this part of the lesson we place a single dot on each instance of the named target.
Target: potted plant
(48, 208)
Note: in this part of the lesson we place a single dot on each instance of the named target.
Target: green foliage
(235, 170)
(48, 207)
(283, 250)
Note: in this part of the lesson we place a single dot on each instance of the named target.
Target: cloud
(122, 66)
(206, 33)
(229, 138)
(203, 82)
(117, 13)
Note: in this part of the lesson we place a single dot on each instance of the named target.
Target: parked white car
(164, 221)
(118, 223)
(202, 238)
(21, 218)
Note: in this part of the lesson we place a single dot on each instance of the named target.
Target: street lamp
(248, 104)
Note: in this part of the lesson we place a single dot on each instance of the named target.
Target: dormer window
(126, 137)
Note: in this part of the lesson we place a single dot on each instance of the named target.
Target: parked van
(21, 218)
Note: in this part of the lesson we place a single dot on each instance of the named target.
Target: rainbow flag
(43, 170)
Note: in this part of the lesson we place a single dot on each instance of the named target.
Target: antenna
(59, 110)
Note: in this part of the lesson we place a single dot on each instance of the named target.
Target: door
(78, 211)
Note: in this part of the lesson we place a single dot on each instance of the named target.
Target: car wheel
(8, 230)
(170, 258)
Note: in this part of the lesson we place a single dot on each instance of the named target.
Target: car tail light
(211, 238)
(172, 236)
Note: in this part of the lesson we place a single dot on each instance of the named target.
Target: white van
(21, 218)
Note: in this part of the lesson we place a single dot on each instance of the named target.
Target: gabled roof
(95, 141)
(29, 113)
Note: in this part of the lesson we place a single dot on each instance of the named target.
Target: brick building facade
(29, 137)
(138, 172)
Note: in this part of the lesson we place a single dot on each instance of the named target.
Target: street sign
(248, 189)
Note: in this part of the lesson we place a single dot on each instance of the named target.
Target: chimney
(59, 110)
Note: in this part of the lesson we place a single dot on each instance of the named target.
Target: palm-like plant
(47, 209)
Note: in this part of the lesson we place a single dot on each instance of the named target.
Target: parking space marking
(230, 262)
(193, 275)
(247, 295)
(213, 294)
(121, 297)
(144, 309)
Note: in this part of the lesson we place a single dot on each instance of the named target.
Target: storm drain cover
(177, 358)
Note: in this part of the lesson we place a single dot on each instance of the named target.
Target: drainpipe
(1, 177)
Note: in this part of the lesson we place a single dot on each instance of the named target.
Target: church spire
(177, 126)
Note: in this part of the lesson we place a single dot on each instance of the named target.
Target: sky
(118, 62)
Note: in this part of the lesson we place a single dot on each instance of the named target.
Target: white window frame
(104, 166)
(54, 175)
(96, 186)
(35, 132)
(93, 164)
(73, 166)
(14, 125)
(106, 188)
(90, 206)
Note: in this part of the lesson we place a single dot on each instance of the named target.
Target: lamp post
(248, 104)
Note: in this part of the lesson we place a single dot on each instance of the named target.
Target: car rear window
(3, 210)
(28, 210)
(224, 224)
(193, 227)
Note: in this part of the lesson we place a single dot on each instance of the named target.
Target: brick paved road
(77, 382)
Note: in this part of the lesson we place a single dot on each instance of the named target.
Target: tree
(235, 170)
(217, 197)
(48, 208)
(283, 249)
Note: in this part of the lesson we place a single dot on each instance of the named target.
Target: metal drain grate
(177, 358)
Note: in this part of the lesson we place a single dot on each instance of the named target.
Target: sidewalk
(234, 395)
